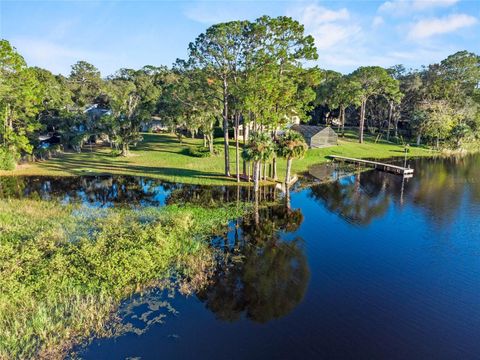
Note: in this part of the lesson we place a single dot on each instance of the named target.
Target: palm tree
(291, 145)
(260, 149)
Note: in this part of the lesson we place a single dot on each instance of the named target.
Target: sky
(348, 34)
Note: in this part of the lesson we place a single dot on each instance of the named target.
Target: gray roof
(307, 130)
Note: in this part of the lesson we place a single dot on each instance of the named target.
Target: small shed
(317, 136)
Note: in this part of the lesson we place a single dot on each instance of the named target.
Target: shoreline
(161, 156)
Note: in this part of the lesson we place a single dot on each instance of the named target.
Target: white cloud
(314, 13)
(404, 7)
(328, 27)
(377, 21)
(429, 27)
(425, 4)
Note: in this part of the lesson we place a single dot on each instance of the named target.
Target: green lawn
(161, 156)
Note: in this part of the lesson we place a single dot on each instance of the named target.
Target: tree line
(249, 78)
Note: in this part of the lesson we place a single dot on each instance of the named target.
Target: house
(95, 112)
(47, 140)
(156, 124)
(317, 136)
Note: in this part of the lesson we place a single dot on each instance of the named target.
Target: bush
(8, 159)
(60, 276)
(197, 151)
(115, 152)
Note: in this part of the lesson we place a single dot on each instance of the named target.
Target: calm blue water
(363, 268)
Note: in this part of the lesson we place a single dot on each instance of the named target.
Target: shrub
(65, 270)
(197, 151)
(115, 153)
(8, 159)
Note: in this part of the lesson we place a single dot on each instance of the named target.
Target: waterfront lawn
(162, 156)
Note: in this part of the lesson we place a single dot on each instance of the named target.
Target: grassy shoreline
(64, 270)
(163, 157)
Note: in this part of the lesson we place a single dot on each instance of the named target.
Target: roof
(307, 130)
(95, 111)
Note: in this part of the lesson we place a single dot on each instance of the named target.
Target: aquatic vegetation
(65, 269)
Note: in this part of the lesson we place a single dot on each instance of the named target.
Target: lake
(370, 266)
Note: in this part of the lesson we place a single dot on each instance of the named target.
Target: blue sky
(348, 34)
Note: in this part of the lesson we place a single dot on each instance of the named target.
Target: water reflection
(355, 201)
(336, 297)
(266, 276)
(437, 188)
(108, 191)
(99, 191)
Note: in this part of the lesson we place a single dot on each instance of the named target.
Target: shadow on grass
(105, 164)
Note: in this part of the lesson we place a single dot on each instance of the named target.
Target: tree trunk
(390, 114)
(274, 166)
(289, 169)
(362, 120)
(287, 198)
(237, 148)
(204, 140)
(225, 127)
(260, 171)
(339, 120)
(210, 143)
(343, 120)
(419, 139)
(245, 134)
(256, 175)
(124, 149)
(265, 171)
(256, 209)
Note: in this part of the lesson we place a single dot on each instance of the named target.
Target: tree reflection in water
(437, 188)
(266, 276)
(98, 191)
(117, 190)
(355, 201)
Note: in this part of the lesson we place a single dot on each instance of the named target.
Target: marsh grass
(64, 270)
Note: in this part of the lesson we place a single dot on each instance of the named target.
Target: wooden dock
(406, 172)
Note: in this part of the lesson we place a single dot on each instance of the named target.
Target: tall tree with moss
(369, 81)
(126, 118)
(326, 91)
(343, 97)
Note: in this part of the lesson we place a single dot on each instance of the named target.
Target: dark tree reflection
(95, 190)
(438, 188)
(353, 200)
(102, 191)
(214, 195)
(266, 276)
